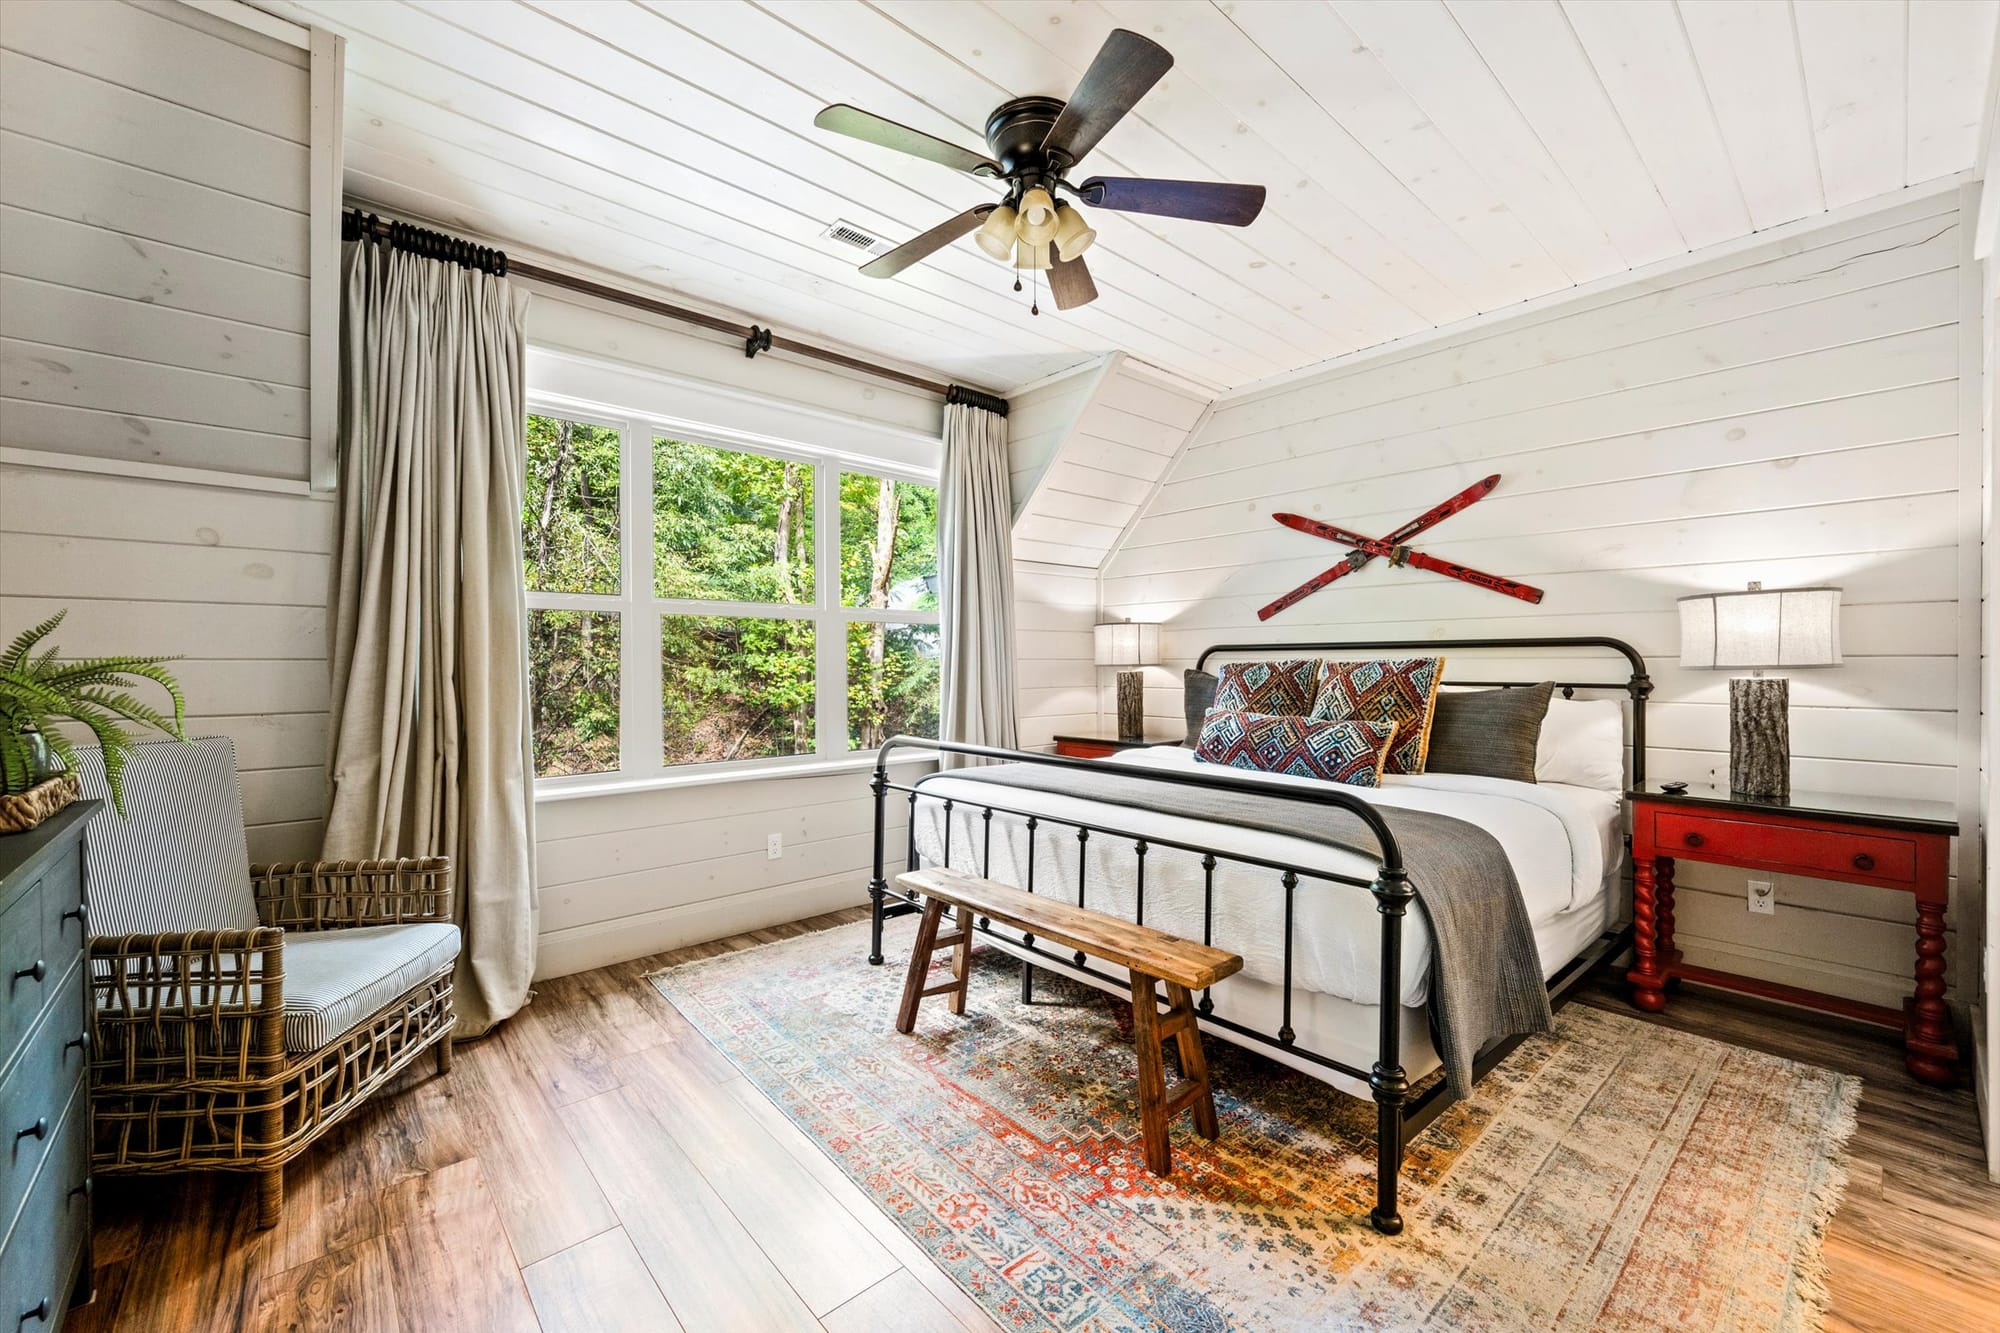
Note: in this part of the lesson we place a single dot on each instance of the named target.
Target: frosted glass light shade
(1761, 628)
(1037, 207)
(1129, 643)
(996, 235)
(1027, 255)
(1073, 234)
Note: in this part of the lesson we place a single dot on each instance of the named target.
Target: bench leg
(1152, 1076)
(920, 964)
(1194, 1064)
(961, 961)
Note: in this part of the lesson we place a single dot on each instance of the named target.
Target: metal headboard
(1638, 685)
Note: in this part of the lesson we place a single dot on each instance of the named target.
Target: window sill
(550, 790)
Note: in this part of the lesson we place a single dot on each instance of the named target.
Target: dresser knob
(83, 1189)
(38, 1130)
(80, 1042)
(39, 1314)
(1863, 861)
(76, 914)
(38, 971)
(1694, 839)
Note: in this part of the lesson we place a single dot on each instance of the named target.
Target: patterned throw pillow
(1350, 752)
(1403, 691)
(1286, 687)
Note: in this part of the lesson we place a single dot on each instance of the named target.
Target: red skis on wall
(1394, 549)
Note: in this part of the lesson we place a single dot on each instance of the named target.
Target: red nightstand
(1101, 747)
(1891, 844)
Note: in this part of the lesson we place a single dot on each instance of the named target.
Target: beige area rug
(1614, 1175)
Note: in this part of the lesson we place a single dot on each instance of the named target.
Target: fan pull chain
(1035, 295)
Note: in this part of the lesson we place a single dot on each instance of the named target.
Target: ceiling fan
(1035, 141)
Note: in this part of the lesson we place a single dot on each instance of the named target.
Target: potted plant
(38, 762)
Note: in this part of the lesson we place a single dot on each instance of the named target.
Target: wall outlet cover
(774, 847)
(1763, 897)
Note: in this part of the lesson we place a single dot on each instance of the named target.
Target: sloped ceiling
(1427, 160)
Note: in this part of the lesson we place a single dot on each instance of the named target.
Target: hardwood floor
(596, 1165)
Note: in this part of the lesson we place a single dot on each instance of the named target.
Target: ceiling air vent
(847, 234)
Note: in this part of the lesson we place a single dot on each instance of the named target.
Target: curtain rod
(355, 224)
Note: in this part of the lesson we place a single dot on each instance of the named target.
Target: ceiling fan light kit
(1035, 141)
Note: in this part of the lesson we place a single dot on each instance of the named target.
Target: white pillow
(1583, 744)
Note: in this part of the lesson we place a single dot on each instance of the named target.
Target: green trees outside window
(762, 651)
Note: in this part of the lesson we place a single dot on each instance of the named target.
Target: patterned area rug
(1612, 1176)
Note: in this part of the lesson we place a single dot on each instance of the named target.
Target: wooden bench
(1151, 956)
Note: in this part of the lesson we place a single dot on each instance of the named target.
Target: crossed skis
(1395, 550)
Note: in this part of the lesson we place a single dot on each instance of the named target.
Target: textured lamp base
(1760, 738)
(1131, 705)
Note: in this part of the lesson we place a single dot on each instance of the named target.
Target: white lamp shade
(1774, 628)
(1129, 643)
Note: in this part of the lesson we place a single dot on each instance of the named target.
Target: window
(698, 600)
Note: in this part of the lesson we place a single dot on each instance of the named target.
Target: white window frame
(641, 728)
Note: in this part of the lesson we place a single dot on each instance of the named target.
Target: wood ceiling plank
(1643, 59)
(1856, 70)
(1748, 56)
(1224, 61)
(1325, 58)
(1426, 52)
(1951, 51)
(1546, 74)
(1179, 131)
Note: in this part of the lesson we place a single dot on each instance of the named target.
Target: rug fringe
(1809, 1280)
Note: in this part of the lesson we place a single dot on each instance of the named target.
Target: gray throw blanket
(1486, 976)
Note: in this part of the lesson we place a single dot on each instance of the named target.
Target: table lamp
(1760, 630)
(1129, 643)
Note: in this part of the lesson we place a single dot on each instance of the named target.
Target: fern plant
(38, 688)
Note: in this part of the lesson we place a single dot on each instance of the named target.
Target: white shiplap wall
(154, 164)
(1791, 413)
(636, 872)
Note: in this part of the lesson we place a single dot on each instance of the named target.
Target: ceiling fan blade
(1201, 201)
(1126, 66)
(1070, 284)
(866, 125)
(922, 247)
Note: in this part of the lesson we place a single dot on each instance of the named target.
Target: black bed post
(878, 887)
(1391, 1086)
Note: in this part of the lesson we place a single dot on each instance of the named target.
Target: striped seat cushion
(178, 861)
(336, 978)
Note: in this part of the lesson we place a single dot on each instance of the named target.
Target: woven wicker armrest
(187, 1004)
(327, 895)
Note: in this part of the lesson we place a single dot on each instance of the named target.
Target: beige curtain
(430, 723)
(976, 578)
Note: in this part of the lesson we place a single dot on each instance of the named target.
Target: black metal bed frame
(1398, 1114)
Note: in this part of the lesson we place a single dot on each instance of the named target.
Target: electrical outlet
(774, 847)
(1763, 897)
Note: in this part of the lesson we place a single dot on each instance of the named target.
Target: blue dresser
(44, 1066)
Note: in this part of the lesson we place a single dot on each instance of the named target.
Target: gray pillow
(1200, 697)
(1488, 733)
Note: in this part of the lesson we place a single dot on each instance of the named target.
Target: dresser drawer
(41, 1083)
(64, 928)
(21, 992)
(41, 1253)
(1808, 851)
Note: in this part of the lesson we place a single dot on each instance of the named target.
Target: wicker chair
(242, 1010)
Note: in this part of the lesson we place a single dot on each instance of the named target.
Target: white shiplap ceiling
(1427, 160)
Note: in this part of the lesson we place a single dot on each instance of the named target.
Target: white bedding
(1562, 841)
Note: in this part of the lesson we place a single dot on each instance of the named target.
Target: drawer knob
(83, 1189)
(39, 1313)
(1863, 861)
(38, 1130)
(38, 971)
(80, 1042)
(1694, 839)
(76, 914)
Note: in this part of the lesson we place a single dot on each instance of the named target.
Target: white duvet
(1562, 842)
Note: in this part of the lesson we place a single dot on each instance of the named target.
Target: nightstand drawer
(1085, 749)
(1807, 851)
